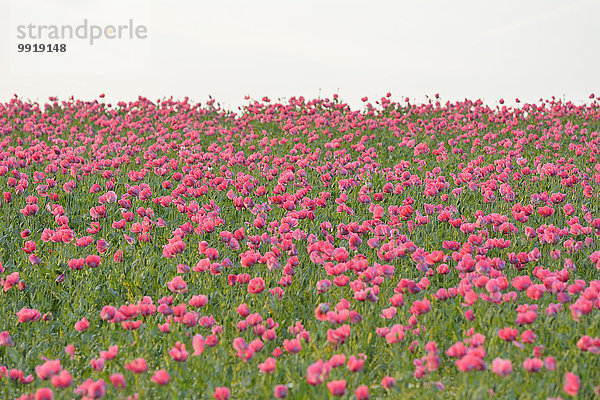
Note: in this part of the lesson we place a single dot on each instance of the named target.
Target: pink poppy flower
(177, 285)
(502, 367)
(82, 325)
(161, 377)
(5, 339)
(137, 366)
(92, 261)
(221, 393)
(280, 392)
(118, 381)
(362, 392)
(44, 394)
(337, 388)
(256, 285)
(533, 364)
(572, 384)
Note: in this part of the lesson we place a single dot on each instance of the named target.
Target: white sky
(474, 49)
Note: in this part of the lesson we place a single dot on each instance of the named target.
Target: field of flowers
(299, 250)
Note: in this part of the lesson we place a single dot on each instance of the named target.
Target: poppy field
(299, 249)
